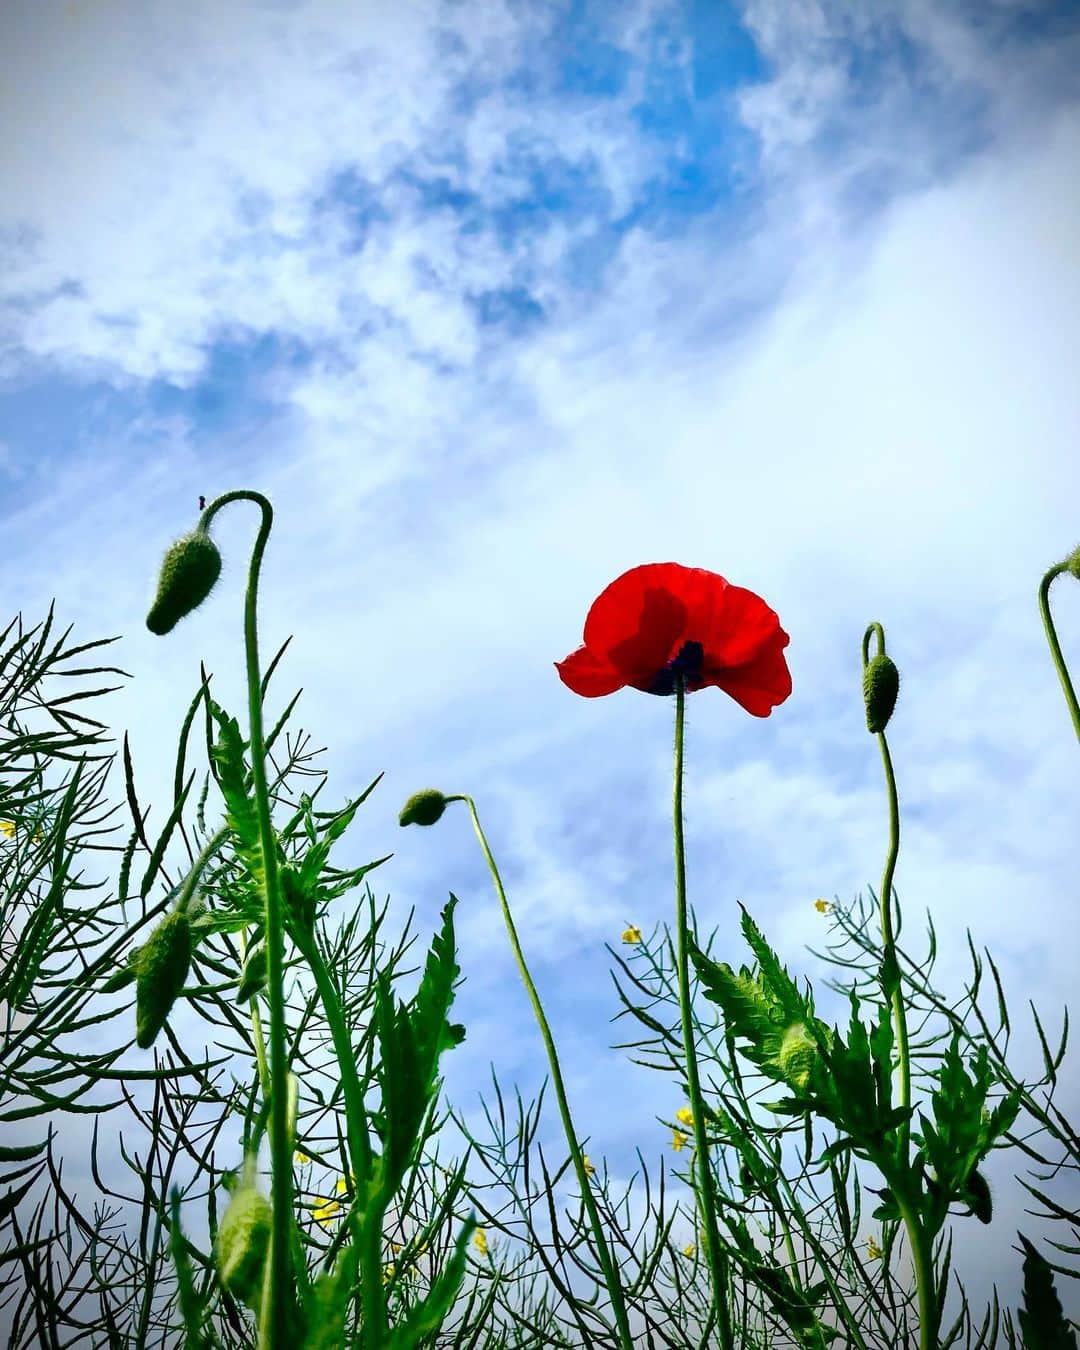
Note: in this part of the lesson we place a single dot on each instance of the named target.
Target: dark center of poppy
(687, 661)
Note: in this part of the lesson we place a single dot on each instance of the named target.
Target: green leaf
(228, 757)
(331, 1296)
(191, 1305)
(428, 1316)
(1042, 1319)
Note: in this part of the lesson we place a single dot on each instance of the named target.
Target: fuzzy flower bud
(188, 573)
(161, 968)
(253, 977)
(243, 1237)
(881, 684)
(423, 808)
(1072, 562)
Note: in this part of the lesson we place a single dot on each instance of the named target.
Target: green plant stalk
(366, 1230)
(610, 1275)
(275, 1317)
(921, 1257)
(1055, 646)
(706, 1197)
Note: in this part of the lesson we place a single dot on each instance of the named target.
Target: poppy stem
(275, 1321)
(611, 1278)
(1055, 646)
(706, 1192)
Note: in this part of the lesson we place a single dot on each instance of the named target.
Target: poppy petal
(761, 684)
(639, 621)
(735, 626)
(589, 675)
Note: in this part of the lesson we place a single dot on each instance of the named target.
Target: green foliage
(411, 1041)
(426, 1318)
(1042, 1319)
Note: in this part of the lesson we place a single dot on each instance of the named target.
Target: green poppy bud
(977, 1197)
(188, 573)
(798, 1055)
(1072, 563)
(423, 808)
(253, 977)
(161, 968)
(243, 1237)
(881, 684)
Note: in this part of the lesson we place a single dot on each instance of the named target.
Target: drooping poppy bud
(881, 684)
(1072, 563)
(423, 808)
(798, 1055)
(161, 968)
(977, 1196)
(243, 1237)
(188, 573)
(253, 977)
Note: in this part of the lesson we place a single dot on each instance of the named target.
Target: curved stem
(1055, 646)
(610, 1275)
(888, 938)
(706, 1191)
(275, 1321)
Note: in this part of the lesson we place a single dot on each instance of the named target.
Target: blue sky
(496, 300)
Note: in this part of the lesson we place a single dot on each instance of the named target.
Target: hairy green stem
(275, 1321)
(1055, 646)
(610, 1274)
(921, 1257)
(718, 1264)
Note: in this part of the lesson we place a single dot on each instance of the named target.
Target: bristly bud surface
(243, 1237)
(881, 684)
(1072, 562)
(161, 967)
(188, 573)
(423, 808)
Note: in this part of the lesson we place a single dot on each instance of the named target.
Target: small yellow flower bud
(589, 1168)
(679, 1140)
(423, 808)
(632, 934)
(188, 574)
(480, 1242)
(685, 1115)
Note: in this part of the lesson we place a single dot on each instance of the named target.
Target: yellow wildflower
(395, 1247)
(685, 1115)
(822, 906)
(589, 1168)
(678, 1140)
(388, 1272)
(325, 1211)
(38, 836)
(8, 827)
(302, 1158)
(689, 1249)
(873, 1251)
(632, 934)
(480, 1242)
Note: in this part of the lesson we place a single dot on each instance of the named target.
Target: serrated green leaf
(1042, 1319)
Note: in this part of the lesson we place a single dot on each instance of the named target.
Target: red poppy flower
(662, 620)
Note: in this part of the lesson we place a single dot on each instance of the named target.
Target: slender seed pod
(120, 979)
(881, 684)
(188, 573)
(423, 808)
(161, 968)
(243, 1237)
(798, 1055)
